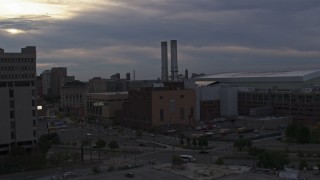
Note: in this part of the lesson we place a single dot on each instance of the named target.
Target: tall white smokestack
(164, 61)
(174, 60)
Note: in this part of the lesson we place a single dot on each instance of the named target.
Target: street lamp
(81, 143)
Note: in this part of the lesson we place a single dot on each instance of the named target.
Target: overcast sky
(103, 37)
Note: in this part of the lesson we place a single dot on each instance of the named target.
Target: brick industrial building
(160, 106)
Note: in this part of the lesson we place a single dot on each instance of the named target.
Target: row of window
(21, 143)
(182, 113)
(181, 96)
(12, 114)
(16, 76)
(13, 136)
(94, 109)
(20, 60)
(77, 96)
(18, 84)
(20, 68)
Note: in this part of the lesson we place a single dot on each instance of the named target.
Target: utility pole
(99, 140)
(154, 141)
(90, 140)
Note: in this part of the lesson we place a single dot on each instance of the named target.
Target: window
(11, 114)
(13, 135)
(11, 93)
(32, 92)
(11, 104)
(181, 113)
(13, 125)
(161, 115)
(33, 104)
(191, 111)
(33, 113)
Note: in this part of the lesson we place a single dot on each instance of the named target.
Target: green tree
(44, 144)
(138, 133)
(113, 145)
(75, 156)
(270, 159)
(240, 144)
(18, 151)
(177, 160)
(188, 141)
(96, 170)
(299, 133)
(205, 142)
(303, 164)
(303, 135)
(194, 142)
(181, 141)
(315, 136)
(54, 138)
(101, 143)
(36, 160)
(291, 131)
(219, 161)
(254, 151)
(58, 159)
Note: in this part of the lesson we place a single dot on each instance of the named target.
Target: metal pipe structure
(174, 60)
(164, 61)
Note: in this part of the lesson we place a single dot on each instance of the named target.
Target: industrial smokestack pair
(174, 60)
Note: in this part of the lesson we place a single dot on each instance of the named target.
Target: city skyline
(104, 37)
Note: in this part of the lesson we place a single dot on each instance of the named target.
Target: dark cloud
(213, 36)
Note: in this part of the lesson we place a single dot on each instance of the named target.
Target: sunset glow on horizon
(14, 31)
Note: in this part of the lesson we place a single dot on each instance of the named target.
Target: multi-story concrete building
(152, 107)
(292, 93)
(115, 76)
(104, 105)
(18, 106)
(117, 85)
(72, 97)
(97, 84)
(302, 106)
(46, 82)
(57, 80)
(267, 80)
(39, 86)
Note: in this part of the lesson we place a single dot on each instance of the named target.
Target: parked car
(203, 152)
(70, 174)
(188, 158)
(130, 175)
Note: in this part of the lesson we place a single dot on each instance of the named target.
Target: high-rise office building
(18, 107)
(58, 75)
(46, 82)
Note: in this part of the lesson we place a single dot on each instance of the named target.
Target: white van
(188, 158)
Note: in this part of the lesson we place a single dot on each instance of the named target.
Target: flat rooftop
(108, 93)
(297, 75)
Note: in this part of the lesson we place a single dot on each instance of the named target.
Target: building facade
(57, 80)
(156, 107)
(18, 95)
(300, 106)
(97, 85)
(46, 82)
(104, 106)
(72, 97)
